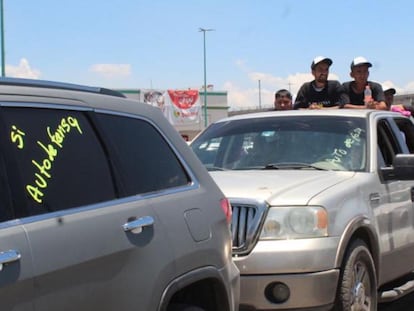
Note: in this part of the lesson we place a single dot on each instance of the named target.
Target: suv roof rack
(59, 85)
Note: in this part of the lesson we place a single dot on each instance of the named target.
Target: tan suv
(104, 207)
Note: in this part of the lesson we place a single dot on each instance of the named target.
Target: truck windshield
(284, 142)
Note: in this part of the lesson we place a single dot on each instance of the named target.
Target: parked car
(322, 204)
(105, 207)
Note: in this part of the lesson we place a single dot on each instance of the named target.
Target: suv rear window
(58, 158)
(145, 160)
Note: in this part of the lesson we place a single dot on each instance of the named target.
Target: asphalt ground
(405, 303)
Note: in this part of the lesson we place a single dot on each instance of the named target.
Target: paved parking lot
(404, 304)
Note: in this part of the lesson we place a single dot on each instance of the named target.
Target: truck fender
(359, 227)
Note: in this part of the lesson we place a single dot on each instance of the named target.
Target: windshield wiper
(291, 165)
(215, 168)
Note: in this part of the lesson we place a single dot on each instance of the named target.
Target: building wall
(407, 99)
(131, 93)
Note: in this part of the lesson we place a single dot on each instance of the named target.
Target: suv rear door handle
(8, 256)
(136, 226)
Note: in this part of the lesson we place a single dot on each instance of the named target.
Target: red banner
(183, 99)
(182, 106)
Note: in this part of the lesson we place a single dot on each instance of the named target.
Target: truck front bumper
(308, 290)
(289, 274)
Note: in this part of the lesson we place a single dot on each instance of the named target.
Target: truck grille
(245, 225)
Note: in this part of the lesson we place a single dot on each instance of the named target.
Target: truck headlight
(295, 222)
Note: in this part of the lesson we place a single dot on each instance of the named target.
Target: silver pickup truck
(323, 213)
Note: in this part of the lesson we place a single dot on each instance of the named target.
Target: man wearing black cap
(321, 92)
(355, 89)
(406, 110)
(389, 96)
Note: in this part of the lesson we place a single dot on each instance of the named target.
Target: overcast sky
(139, 44)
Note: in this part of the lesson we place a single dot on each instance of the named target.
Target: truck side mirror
(402, 168)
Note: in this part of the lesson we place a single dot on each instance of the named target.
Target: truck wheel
(357, 288)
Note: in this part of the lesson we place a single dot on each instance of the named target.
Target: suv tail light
(226, 207)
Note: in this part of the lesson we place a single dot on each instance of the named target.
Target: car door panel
(396, 216)
(82, 257)
(16, 273)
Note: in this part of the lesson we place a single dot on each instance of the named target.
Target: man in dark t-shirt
(320, 93)
(355, 89)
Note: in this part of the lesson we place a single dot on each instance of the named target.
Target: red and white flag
(182, 106)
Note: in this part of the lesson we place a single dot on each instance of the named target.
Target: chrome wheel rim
(361, 289)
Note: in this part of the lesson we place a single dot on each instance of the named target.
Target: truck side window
(380, 158)
(387, 145)
(407, 130)
(58, 158)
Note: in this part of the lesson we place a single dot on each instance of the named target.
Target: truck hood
(292, 187)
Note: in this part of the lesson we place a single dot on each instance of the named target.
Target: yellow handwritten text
(51, 149)
(64, 127)
(16, 137)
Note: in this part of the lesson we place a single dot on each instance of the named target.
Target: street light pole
(3, 66)
(204, 30)
(260, 96)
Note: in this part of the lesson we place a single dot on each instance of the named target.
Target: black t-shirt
(333, 94)
(358, 98)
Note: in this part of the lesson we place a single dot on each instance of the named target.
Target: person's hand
(315, 106)
(381, 106)
(376, 105)
(371, 105)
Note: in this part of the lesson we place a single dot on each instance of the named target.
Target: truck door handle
(374, 199)
(8, 257)
(136, 226)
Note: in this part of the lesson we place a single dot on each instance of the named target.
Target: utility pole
(3, 63)
(260, 96)
(204, 30)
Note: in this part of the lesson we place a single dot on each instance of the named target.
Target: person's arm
(301, 101)
(351, 106)
(372, 105)
(380, 105)
(332, 107)
(378, 96)
(341, 95)
(346, 99)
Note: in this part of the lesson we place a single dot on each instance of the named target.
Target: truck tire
(357, 288)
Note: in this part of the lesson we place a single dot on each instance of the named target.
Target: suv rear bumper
(307, 290)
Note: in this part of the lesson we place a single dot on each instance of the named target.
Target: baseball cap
(358, 61)
(321, 59)
(389, 90)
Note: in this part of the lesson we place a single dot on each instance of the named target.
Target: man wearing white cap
(320, 93)
(355, 89)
